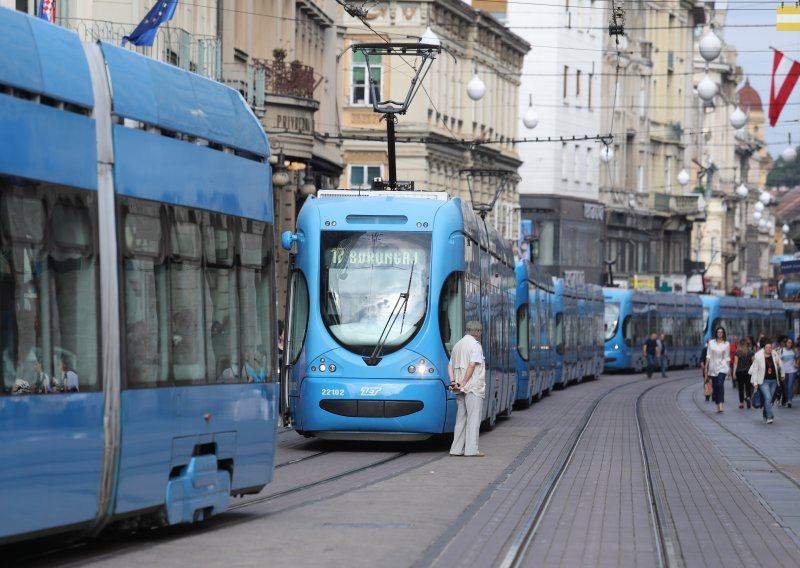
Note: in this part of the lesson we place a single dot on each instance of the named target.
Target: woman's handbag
(778, 396)
(758, 398)
(708, 388)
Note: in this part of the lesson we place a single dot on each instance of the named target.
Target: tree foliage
(784, 174)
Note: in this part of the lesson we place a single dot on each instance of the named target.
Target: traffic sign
(790, 266)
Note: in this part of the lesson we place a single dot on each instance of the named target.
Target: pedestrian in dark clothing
(662, 354)
(741, 363)
(650, 352)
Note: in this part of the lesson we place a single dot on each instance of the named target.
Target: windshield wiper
(400, 305)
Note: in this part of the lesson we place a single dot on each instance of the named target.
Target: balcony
(265, 77)
(197, 53)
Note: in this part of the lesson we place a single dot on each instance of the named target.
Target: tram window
(451, 311)
(299, 315)
(560, 333)
(705, 320)
(611, 319)
(48, 290)
(254, 302)
(628, 331)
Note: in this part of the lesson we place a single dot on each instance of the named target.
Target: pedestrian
(650, 352)
(741, 365)
(467, 373)
(662, 354)
(764, 374)
(707, 390)
(718, 365)
(734, 343)
(788, 355)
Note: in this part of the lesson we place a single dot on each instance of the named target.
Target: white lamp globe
(707, 88)
(757, 215)
(759, 206)
(476, 88)
(762, 224)
(606, 154)
(764, 198)
(785, 228)
(742, 191)
(738, 119)
(710, 46)
(785, 241)
(430, 38)
(789, 154)
(531, 119)
(683, 177)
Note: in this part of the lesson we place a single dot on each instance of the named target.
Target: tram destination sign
(790, 266)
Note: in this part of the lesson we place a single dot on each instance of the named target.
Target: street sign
(790, 266)
(788, 19)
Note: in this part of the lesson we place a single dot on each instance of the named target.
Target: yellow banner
(642, 282)
(788, 19)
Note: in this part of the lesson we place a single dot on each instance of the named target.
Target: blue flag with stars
(146, 31)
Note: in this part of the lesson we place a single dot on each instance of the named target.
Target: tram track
(668, 554)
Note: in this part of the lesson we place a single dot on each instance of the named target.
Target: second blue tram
(741, 316)
(535, 329)
(382, 283)
(632, 315)
(136, 288)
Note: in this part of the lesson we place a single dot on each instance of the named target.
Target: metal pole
(390, 142)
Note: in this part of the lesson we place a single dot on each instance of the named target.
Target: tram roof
(47, 60)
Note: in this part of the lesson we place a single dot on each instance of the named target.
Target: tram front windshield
(374, 287)
(611, 319)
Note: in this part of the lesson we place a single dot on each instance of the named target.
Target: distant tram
(136, 289)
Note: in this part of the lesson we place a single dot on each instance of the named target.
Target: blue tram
(381, 285)
(742, 316)
(136, 289)
(535, 360)
(630, 317)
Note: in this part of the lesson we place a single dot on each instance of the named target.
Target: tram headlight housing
(616, 346)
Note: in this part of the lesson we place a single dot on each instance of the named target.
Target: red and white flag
(785, 73)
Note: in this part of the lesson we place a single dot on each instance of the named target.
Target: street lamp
(785, 228)
(764, 198)
(706, 89)
(476, 88)
(757, 215)
(710, 46)
(606, 154)
(683, 177)
(531, 119)
(742, 191)
(759, 206)
(738, 119)
(789, 154)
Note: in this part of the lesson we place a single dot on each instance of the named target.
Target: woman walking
(742, 362)
(718, 365)
(789, 362)
(764, 375)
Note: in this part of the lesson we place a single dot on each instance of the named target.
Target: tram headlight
(412, 369)
(323, 367)
(616, 346)
(332, 368)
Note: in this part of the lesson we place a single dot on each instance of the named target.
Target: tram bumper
(371, 409)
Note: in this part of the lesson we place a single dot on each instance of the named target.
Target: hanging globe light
(476, 88)
(785, 228)
(430, 38)
(764, 198)
(742, 191)
(789, 154)
(785, 241)
(707, 88)
(606, 154)
(759, 206)
(762, 225)
(683, 177)
(531, 119)
(710, 46)
(738, 119)
(757, 215)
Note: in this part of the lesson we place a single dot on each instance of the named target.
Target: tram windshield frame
(611, 313)
(374, 284)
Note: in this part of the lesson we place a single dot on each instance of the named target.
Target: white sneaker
(769, 420)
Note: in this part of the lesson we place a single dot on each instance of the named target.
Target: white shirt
(468, 350)
(719, 357)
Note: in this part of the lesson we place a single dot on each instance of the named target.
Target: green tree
(784, 174)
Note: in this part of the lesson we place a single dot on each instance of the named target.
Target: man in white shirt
(467, 373)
